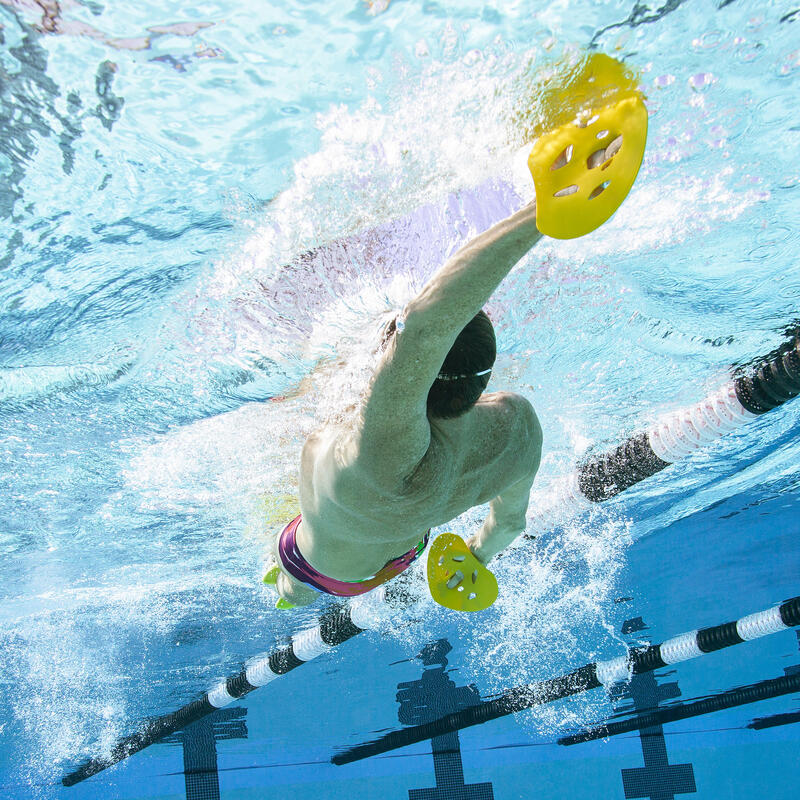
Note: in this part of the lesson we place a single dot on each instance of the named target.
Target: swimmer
(427, 443)
(51, 20)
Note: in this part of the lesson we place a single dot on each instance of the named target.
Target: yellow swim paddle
(584, 168)
(456, 579)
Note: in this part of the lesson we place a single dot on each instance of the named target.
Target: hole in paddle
(564, 157)
(566, 191)
(598, 190)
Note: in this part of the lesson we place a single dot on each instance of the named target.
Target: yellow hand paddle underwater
(456, 579)
(584, 168)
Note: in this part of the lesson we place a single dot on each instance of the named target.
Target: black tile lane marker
(659, 778)
(763, 690)
(423, 700)
(770, 382)
(590, 676)
(199, 744)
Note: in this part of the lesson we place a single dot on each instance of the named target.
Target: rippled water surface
(206, 206)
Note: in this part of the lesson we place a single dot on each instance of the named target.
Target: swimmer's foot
(271, 579)
(271, 575)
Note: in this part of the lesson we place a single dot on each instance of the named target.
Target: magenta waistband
(298, 567)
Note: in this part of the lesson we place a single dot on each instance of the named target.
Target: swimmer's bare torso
(372, 485)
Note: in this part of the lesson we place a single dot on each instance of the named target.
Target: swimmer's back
(354, 522)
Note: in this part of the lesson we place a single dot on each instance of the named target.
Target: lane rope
(590, 676)
(740, 696)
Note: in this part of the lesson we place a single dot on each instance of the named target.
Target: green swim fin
(271, 579)
(271, 575)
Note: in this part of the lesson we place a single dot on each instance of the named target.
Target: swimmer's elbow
(516, 525)
(510, 510)
(426, 324)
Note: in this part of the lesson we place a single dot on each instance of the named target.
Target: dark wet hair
(459, 388)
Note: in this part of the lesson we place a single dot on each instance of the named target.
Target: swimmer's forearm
(492, 539)
(465, 283)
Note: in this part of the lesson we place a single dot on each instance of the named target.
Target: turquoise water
(166, 168)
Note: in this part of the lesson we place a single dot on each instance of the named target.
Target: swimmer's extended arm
(395, 431)
(460, 289)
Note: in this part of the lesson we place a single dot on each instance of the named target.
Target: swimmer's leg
(294, 591)
(290, 589)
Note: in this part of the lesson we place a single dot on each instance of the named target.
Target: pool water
(206, 210)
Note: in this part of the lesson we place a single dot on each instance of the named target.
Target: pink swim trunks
(298, 567)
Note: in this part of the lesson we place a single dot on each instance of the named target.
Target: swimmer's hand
(456, 579)
(483, 555)
(584, 169)
(493, 538)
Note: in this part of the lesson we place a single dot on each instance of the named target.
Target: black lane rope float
(590, 676)
(767, 384)
(742, 695)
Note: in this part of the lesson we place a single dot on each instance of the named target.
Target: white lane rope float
(768, 383)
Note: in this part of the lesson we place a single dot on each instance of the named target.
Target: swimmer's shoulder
(517, 426)
(516, 412)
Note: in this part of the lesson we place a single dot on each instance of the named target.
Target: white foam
(552, 612)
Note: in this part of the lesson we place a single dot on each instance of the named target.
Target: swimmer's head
(466, 370)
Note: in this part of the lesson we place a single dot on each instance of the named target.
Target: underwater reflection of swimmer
(50, 20)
